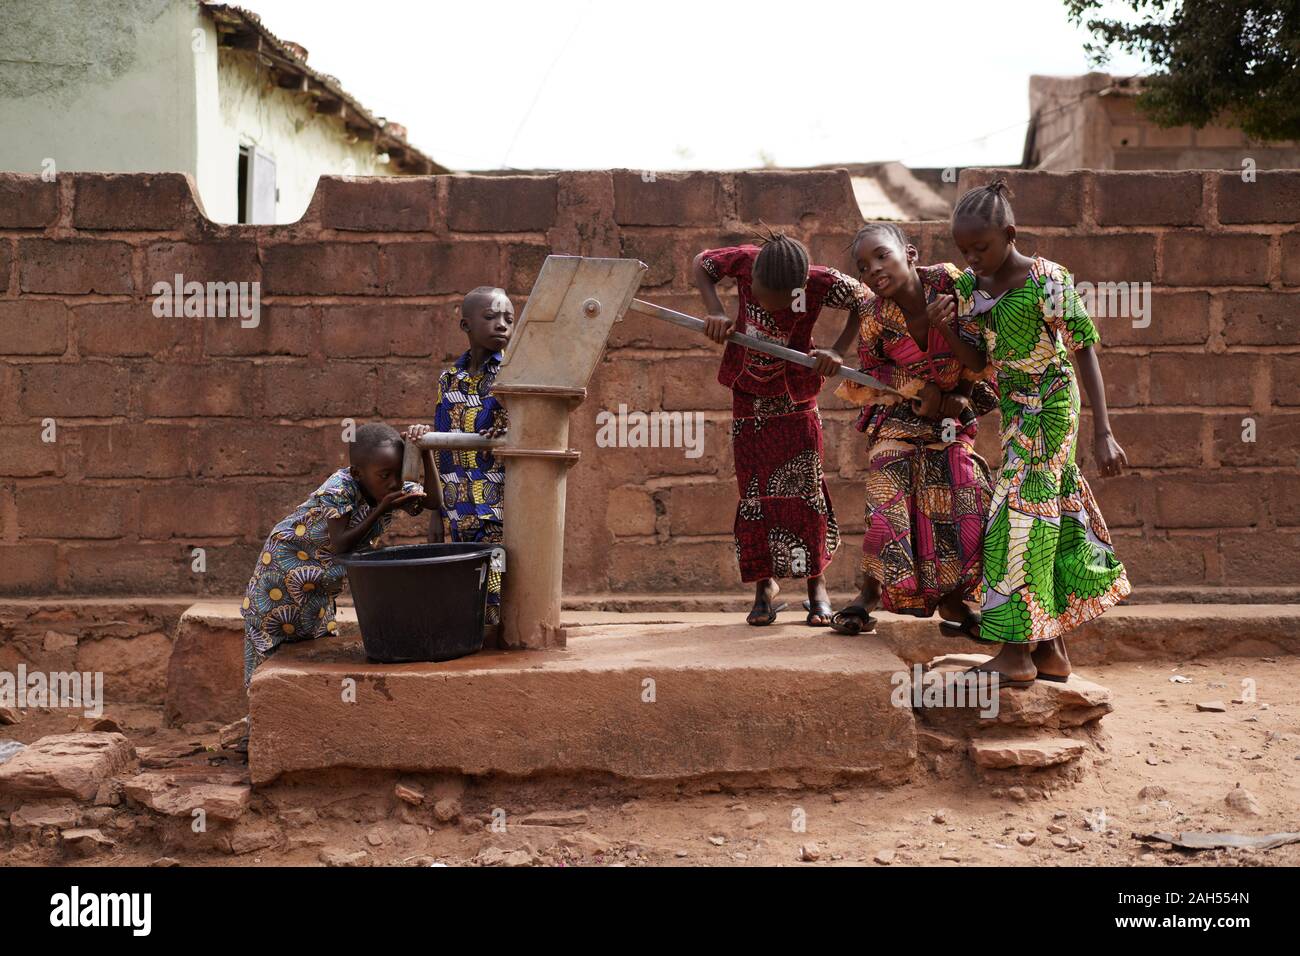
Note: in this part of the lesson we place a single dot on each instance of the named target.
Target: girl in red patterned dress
(785, 527)
(927, 489)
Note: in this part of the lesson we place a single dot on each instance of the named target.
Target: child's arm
(942, 311)
(718, 324)
(344, 539)
(1111, 459)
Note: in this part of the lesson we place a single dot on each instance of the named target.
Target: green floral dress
(1049, 565)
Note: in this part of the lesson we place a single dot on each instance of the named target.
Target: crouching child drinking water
(297, 576)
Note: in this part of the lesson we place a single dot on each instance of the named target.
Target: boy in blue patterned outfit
(471, 484)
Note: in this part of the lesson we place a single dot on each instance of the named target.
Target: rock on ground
(66, 765)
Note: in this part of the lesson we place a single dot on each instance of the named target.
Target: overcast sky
(591, 84)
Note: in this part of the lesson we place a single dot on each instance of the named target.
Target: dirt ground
(1168, 767)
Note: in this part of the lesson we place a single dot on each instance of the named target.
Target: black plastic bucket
(421, 602)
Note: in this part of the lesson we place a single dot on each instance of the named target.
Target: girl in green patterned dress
(1048, 561)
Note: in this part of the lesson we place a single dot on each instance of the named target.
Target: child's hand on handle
(829, 361)
(718, 326)
(1111, 460)
(414, 432)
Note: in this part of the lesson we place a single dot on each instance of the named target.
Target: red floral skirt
(785, 526)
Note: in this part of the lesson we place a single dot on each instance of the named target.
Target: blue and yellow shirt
(473, 482)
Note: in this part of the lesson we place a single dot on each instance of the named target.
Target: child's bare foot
(818, 604)
(856, 618)
(1052, 660)
(764, 612)
(1013, 664)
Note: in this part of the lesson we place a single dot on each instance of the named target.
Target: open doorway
(258, 193)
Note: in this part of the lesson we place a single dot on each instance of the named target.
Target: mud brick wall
(177, 433)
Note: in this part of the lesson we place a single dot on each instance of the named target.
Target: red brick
(1286, 379)
(33, 327)
(257, 449)
(1037, 198)
(674, 566)
(201, 262)
(64, 511)
(1197, 258)
(1148, 198)
(128, 568)
(501, 203)
(434, 268)
(28, 568)
(1110, 258)
(835, 250)
(1274, 196)
(6, 257)
(637, 465)
(1261, 318)
(130, 328)
(629, 512)
(26, 455)
(700, 509)
(1150, 439)
(1291, 258)
(1275, 440)
(135, 451)
(27, 201)
(1162, 558)
(281, 330)
(1260, 557)
(670, 199)
(786, 197)
(74, 266)
(379, 204)
(339, 389)
(321, 268)
(1125, 500)
(188, 391)
(1191, 379)
(1284, 499)
(378, 329)
(85, 390)
(228, 567)
(1176, 318)
(1122, 376)
(848, 498)
(669, 260)
(408, 392)
(133, 201)
(1208, 501)
(524, 263)
(197, 511)
(638, 384)
(691, 382)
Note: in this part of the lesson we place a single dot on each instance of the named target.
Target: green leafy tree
(1234, 62)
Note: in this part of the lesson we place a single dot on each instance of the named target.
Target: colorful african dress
(296, 579)
(927, 489)
(1049, 565)
(473, 482)
(785, 525)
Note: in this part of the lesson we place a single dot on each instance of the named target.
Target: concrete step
(645, 701)
(205, 677)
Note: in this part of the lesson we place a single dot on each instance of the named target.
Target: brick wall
(176, 433)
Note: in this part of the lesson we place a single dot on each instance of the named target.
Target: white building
(183, 86)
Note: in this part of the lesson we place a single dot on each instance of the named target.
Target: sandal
(1003, 679)
(820, 609)
(1054, 678)
(753, 621)
(853, 620)
(968, 628)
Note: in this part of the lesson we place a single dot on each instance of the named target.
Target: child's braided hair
(987, 204)
(782, 262)
(881, 228)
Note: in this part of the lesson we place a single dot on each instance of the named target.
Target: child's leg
(819, 602)
(1051, 659)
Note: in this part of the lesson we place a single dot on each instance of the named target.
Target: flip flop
(853, 620)
(968, 628)
(820, 608)
(1054, 678)
(1003, 680)
(771, 616)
